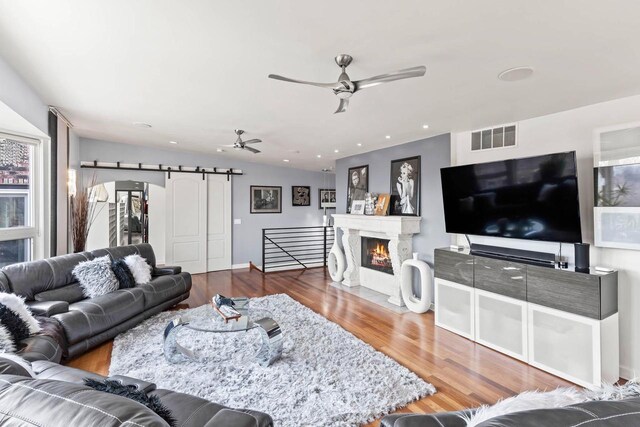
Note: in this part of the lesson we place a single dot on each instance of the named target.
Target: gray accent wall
(247, 243)
(435, 153)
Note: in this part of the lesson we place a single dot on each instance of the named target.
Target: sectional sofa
(51, 290)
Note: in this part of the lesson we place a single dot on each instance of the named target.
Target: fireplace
(375, 254)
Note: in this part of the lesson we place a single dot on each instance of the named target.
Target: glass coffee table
(209, 321)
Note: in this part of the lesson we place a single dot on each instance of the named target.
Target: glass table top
(210, 320)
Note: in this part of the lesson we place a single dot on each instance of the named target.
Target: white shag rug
(325, 377)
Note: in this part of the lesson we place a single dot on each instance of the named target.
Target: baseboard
(627, 373)
(238, 266)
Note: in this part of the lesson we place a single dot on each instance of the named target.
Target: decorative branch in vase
(82, 214)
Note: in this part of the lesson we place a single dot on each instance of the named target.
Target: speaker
(582, 256)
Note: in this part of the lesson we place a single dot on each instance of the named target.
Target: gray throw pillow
(96, 277)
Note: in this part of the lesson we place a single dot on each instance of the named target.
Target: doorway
(132, 217)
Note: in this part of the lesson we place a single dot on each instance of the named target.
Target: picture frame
(382, 204)
(300, 195)
(405, 178)
(357, 207)
(326, 198)
(265, 199)
(357, 184)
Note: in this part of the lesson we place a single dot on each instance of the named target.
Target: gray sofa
(55, 396)
(620, 413)
(51, 290)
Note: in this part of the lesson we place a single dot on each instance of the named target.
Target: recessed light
(285, 160)
(319, 155)
(425, 126)
(388, 136)
(173, 142)
(515, 74)
(142, 124)
(219, 150)
(359, 145)
(336, 151)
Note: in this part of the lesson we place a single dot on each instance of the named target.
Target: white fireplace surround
(399, 230)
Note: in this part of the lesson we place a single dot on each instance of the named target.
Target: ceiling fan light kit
(344, 88)
(242, 145)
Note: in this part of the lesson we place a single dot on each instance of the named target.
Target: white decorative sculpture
(422, 304)
(336, 262)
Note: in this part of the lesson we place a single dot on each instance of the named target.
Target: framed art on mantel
(357, 184)
(266, 199)
(405, 186)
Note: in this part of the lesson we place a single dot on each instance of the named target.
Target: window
(17, 199)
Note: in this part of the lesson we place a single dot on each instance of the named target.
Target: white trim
(239, 266)
(627, 373)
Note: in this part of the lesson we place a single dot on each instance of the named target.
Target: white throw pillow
(139, 268)
(96, 277)
(16, 304)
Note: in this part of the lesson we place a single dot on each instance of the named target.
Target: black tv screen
(531, 198)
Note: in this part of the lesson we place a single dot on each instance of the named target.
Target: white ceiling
(197, 69)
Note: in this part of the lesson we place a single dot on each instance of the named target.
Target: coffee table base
(270, 348)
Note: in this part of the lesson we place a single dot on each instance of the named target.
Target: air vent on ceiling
(500, 137)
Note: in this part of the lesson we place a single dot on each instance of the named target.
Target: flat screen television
(532, 198)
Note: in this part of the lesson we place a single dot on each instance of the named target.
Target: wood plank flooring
(464, 373)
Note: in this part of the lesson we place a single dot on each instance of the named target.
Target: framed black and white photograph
(357, 207)
(327, 198)
(405, 187)
(300, 195)
(266, 199)
(357, 184)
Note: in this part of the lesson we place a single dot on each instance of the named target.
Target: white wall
(157, 221)
(567, 131)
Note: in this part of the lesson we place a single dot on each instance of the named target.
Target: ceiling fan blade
(389, 77)
(252, 141)
(253, 150)
(229, 145)
(286, 79)
(344, 103)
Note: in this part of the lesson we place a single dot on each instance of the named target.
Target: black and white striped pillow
(16, 322)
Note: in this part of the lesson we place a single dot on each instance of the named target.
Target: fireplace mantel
(381, 224)
(397, 229)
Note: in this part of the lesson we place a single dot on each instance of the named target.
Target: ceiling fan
(345, 87)
(242, 145)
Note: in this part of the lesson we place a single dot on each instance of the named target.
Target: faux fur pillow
(16, 304)
(7, 344)
(96, 277)
(152, 402)
(139, 268)
(123, 274)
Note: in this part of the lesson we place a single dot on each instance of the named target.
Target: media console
(559, 320)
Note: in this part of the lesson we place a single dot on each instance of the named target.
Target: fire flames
(380, 256)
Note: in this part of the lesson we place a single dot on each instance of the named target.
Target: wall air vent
(500, 137)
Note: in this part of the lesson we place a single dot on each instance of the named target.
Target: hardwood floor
(465, 374)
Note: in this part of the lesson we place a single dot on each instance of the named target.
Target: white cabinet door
(501, 323)
(454, 308)
(565, 344)
(218, 223)
(186, 200)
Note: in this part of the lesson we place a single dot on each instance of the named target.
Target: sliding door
(186, 201)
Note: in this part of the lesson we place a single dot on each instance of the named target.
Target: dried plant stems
(82, 214)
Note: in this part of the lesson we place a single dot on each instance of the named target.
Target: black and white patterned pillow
(16, 322)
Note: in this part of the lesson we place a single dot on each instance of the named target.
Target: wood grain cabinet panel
(454, 266)
(572, 292)
(501, 277)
